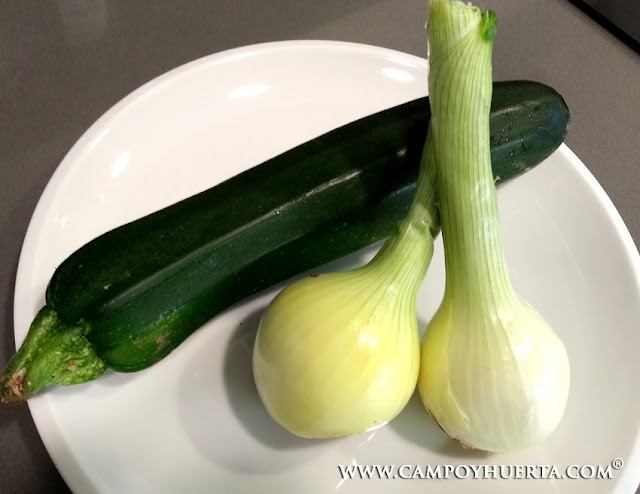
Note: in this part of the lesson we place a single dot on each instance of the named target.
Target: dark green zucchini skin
(140, 290)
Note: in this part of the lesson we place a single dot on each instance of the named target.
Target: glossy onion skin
(346, 364)
(500, 390)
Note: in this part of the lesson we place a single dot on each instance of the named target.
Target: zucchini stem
(52, 353)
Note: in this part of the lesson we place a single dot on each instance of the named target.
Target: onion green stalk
(493, 374)
(338, 354)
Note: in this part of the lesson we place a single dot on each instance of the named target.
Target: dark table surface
(65, 62)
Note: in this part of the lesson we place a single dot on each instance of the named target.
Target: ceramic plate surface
(194, 423)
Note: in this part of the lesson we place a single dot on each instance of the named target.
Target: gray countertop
(65, 62)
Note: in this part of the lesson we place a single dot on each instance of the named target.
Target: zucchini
(128, 298)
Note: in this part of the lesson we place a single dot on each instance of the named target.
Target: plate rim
(71, 469)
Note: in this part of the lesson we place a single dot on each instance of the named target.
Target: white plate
(194, 423)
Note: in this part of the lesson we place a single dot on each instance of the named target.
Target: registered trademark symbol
(617, 463)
